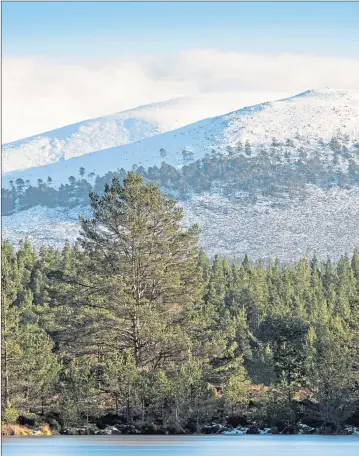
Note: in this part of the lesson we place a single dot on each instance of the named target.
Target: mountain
(117, 129)
(276, 179)
(304, 119)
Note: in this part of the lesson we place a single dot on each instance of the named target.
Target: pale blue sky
(67, 30)
(89, 59)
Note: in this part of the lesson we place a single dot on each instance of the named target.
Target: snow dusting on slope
(118, 129)
(305, 119)
(325, 222)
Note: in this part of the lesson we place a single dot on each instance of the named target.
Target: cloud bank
(40, 95)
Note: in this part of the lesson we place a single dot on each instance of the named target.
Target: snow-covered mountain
(117, 129)
(322, 219)
(304, 119)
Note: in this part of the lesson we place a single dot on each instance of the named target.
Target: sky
(65, 62)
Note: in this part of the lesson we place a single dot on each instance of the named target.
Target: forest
(133, 326)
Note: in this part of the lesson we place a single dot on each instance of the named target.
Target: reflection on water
(181, 446)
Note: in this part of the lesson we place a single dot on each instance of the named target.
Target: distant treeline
(136, 321)
(276, 170)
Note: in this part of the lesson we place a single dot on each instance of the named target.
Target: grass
(14, 429)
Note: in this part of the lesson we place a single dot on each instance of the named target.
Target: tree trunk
(136, 338)
(128, 406)
(116, 403)
(176, 415)
(143, 411)
(289, 381)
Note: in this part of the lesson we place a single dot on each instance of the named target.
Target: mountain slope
(117, 129)
(88, 136)
(304, 119)
(323, 221)
(294, 192)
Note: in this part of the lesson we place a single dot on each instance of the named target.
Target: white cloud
(40, 95)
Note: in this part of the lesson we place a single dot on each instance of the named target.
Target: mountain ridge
(116, 129)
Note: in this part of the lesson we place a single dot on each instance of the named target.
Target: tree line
(134, 320)
(270, 171)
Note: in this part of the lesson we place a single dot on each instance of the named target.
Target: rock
(265, 431)
(113, 430)
(351, 430)
(236, 431)
(213, 429)
(84, 430)
(69, 431)
(305, 429)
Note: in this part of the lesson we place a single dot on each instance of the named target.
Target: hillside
(324, 222)
(115, 130)
(303, 119)
(276, 179)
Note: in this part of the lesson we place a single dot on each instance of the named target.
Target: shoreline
(91, 431)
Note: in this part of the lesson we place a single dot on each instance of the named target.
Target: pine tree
(139, 273)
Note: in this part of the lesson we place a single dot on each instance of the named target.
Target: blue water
(181, 446)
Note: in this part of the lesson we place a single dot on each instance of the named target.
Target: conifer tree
(139, 272)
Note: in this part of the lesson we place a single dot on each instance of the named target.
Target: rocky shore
(111, 424)
(217, 429)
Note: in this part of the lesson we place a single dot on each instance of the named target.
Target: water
(181, 446)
